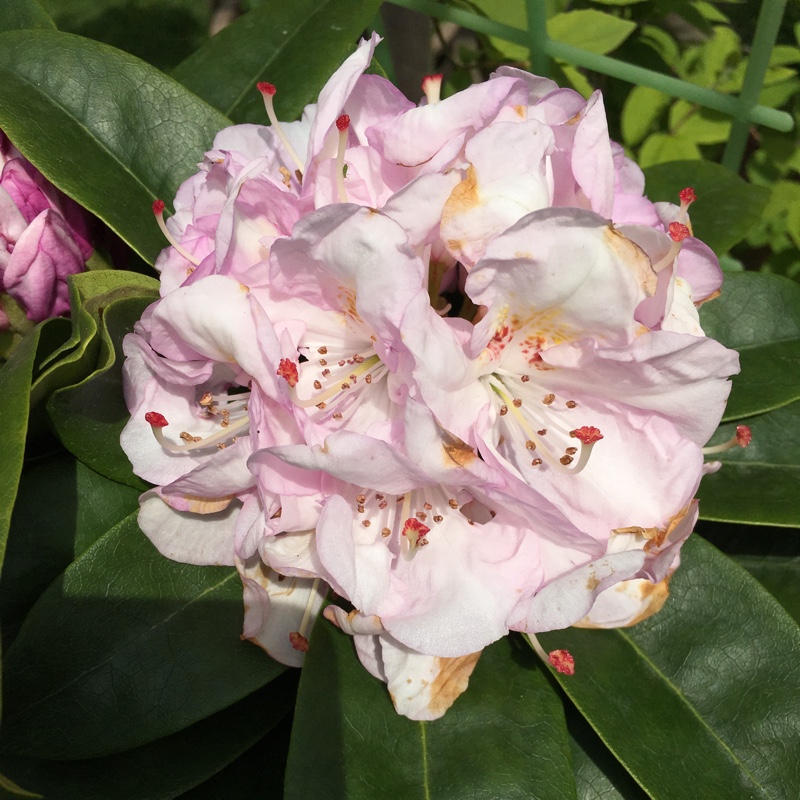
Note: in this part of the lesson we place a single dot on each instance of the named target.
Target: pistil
(343, 126)
(741, 438)
(158, 210)
(268, 92)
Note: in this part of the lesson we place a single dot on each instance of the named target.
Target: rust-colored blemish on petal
(458, 451)
(592, 582)
(464, 197)
(633, 257)
(654, 596)
(712, 296)
(452, 678)
(522, 111)
(662, 535)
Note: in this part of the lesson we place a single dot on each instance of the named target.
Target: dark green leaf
(754, 309)
(258, 773)
(72, 506)
(770, 378)
(165, 768)
(598, 774)
(15, 387)
(759, 315)
(89, 417)
(161, 33)
(90, 294)
(504, 737)
(10, 789)
(726, 207)
(21, 14)
(760, 483)
(127, 647)
(109, 130)
(296, 46)
(780, 576)
(702, 699)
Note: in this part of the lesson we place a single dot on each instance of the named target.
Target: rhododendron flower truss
(444, 359)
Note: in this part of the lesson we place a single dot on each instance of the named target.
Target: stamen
(158, 210)
(432, 87)
(267, 92)
(158, 421)
(741, 438)
(343, 126)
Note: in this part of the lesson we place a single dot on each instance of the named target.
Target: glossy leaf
(21, 14)
(702, 699)
(127, 647)
(726, 208)
(15, 385)
(89, 417)
(780, 576)
(109, 130)
(598, 774)
(754, 310)
(296, 46)
(161, 33)
(760, 483)
(165, 768)
(504, 737)
(73, 506)
(258, 773)
(770, 378)
(90, 295)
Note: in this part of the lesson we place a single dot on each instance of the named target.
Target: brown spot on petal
(654, 595)
(452, 678)
(458, 451)
(464, 196)
(592, 583)
(633, 257)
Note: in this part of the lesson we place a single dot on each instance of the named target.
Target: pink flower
(444, 359)
(43, 239)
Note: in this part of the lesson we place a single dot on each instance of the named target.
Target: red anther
(158, 207)
(298, 641)
(743, 435)
(678, 231)
(562, 661)
(155, 419)
(416, 526)
(287, 370)
(266, 88)
(343, 122)
(588, 434)
(687, 195)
